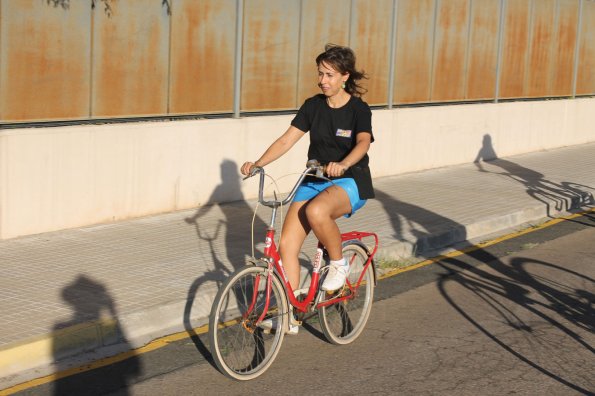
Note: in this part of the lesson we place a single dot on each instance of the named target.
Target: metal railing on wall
(104, 59)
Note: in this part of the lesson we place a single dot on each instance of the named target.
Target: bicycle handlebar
(313, 167)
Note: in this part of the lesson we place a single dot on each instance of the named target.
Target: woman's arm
(362, 145)
(276, 150)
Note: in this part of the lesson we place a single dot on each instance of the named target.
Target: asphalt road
(514, 318)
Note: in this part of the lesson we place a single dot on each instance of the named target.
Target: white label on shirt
(343, 133)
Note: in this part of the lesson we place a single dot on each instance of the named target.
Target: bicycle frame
(273, 258)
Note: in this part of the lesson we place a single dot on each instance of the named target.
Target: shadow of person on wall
(564, 196)
(92, 303)
(235, 230)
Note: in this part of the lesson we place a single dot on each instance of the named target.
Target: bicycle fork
(248, 313)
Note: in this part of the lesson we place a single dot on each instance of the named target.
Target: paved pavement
(81, 294)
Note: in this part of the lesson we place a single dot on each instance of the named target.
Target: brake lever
(320, 169)
(253, 172)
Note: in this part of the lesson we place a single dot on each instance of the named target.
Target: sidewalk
(103, 289)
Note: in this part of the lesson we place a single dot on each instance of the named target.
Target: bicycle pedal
(299, 316)
(295, 321)
(335, 294)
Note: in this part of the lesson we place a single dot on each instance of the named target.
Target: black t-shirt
(333, 135)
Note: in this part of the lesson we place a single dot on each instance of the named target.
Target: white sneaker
(335, 277)
(293, 329)
(272, 325)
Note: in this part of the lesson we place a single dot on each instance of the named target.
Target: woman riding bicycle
(340, 126)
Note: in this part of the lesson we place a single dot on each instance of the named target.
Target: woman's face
(330, 80)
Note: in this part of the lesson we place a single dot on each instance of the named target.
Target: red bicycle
(241, 346)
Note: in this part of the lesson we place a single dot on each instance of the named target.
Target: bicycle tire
(241, 350)
(344, 321)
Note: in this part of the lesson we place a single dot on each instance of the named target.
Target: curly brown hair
(342, 59)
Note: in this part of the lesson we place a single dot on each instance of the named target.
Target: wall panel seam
(577, 48)
(467, 50)
(500, 49)
(529, 51)
(237, 94)
(392, 54)
(433, 54)
(169, 84)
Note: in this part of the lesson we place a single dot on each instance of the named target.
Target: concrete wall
(64, 177)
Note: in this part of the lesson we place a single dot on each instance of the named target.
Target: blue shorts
(309, 189)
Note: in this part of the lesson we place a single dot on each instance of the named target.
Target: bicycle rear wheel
(344, 321)
(240, 348)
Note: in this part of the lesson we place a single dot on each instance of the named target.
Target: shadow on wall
(235, 230)
(91, 302)
(563, 196)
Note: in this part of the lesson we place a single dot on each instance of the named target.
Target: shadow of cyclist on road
(510, 293)
(544, 305)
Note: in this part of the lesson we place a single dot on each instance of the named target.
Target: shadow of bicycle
(534, 310)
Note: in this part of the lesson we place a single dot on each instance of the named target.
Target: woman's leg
(321, 213)
(294, 232)
(318, 214)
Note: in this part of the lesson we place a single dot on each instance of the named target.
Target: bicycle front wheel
(344, 321)
(241, 349)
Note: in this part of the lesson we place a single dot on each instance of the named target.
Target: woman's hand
(335, 169)
(246, 168)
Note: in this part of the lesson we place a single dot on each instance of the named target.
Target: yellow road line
(153, 345)
(164, 341)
